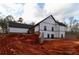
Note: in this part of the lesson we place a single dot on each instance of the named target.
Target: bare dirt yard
(16, 45)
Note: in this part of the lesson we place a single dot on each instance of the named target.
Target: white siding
(49, 20)
(62, 30)
(37, 28)
(49, 23)
(18, 30)
(47, 32)
(49, 29)
(62, 33)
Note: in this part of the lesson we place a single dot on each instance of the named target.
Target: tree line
(4, 22)
(72, 24)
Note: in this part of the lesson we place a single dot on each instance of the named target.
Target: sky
(35, 12)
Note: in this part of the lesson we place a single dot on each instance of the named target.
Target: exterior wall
(47, 32)
(62, 31)
(57, 30)
(49, 29)
(37, 28)
(62, 28)
(49, 20)
(18, 30)
(49, 23)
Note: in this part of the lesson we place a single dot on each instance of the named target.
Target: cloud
(48, 9)
(16, 10)
(29, 12)
(40, 11)
(68, 11)
(35, 12)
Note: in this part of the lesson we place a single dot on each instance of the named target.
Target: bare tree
(71, 22)
(33, 23)
(3, 25)
(75, 27)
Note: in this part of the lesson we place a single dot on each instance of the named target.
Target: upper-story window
(45, 28)
(52, 29)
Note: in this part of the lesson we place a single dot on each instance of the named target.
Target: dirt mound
(18, 45)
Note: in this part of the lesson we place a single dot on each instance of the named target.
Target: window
(52, 29)
(45, 28)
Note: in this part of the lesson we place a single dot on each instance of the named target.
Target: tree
(71, 19)
(9, 18)
(3, 25)
(71, 22)
(75, 27)
(20, 20)
(33, 23)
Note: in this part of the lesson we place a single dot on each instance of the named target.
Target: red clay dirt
(19, 45)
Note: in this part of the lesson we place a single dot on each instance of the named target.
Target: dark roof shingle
(19, 25)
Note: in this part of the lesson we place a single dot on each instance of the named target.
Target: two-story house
(50, 28)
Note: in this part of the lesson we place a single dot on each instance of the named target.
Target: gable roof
(19, 25)
(59, 23)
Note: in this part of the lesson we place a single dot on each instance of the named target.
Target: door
(52, 36)
(61, 35)
(48, 36)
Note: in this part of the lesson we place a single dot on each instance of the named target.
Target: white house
(50, 28)
(14, 27)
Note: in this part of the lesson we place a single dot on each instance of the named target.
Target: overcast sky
(35, 12)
